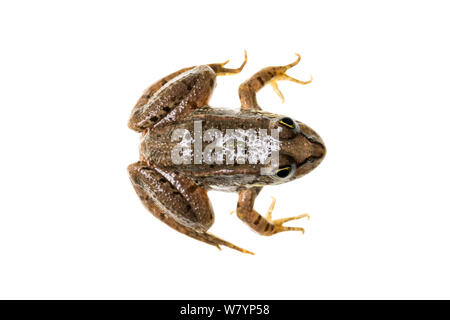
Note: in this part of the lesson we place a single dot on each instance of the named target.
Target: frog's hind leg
(269, 75)
(264, 226)
(150, 91)
(177, 201)
(175, 96)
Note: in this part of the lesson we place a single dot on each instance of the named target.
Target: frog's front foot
(283, 76)
(264, 226)
(278, 224)
(269, 75)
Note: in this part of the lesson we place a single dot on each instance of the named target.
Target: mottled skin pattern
(177, 194)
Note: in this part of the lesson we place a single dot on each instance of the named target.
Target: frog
(176, 193)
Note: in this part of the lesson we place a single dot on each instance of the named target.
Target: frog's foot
(220, 70)
(264, 226)
(220, 242)
(269, 75)
(281, 75)
(278, 224)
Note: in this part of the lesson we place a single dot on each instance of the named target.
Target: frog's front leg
(264, 226)
(177, 201)
(248, 89)
(178, 94)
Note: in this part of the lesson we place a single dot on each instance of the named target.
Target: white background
(71, 225)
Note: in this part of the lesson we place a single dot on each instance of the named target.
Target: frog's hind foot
(213, 240)
(269, 75)
(220, 70)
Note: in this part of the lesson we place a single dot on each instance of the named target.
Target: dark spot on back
(166, 109)
(154, 119)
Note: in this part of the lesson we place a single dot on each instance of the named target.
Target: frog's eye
(285, 171)
(287, 122)
(287, 128)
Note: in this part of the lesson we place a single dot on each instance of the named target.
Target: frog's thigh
(175, 99)
(180, 198)
(177, 201)
(148, 93)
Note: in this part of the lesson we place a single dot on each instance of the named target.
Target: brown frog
(176, 193)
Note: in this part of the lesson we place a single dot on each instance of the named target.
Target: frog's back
(157, 146)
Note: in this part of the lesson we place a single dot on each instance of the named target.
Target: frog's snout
(307, 149)
(318, 148)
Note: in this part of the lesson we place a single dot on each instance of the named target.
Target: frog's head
(301, 149)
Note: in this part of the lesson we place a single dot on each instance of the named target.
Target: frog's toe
(279, 228)
(289, 78)
(277, 90)
(278, 224)
(283, 220)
